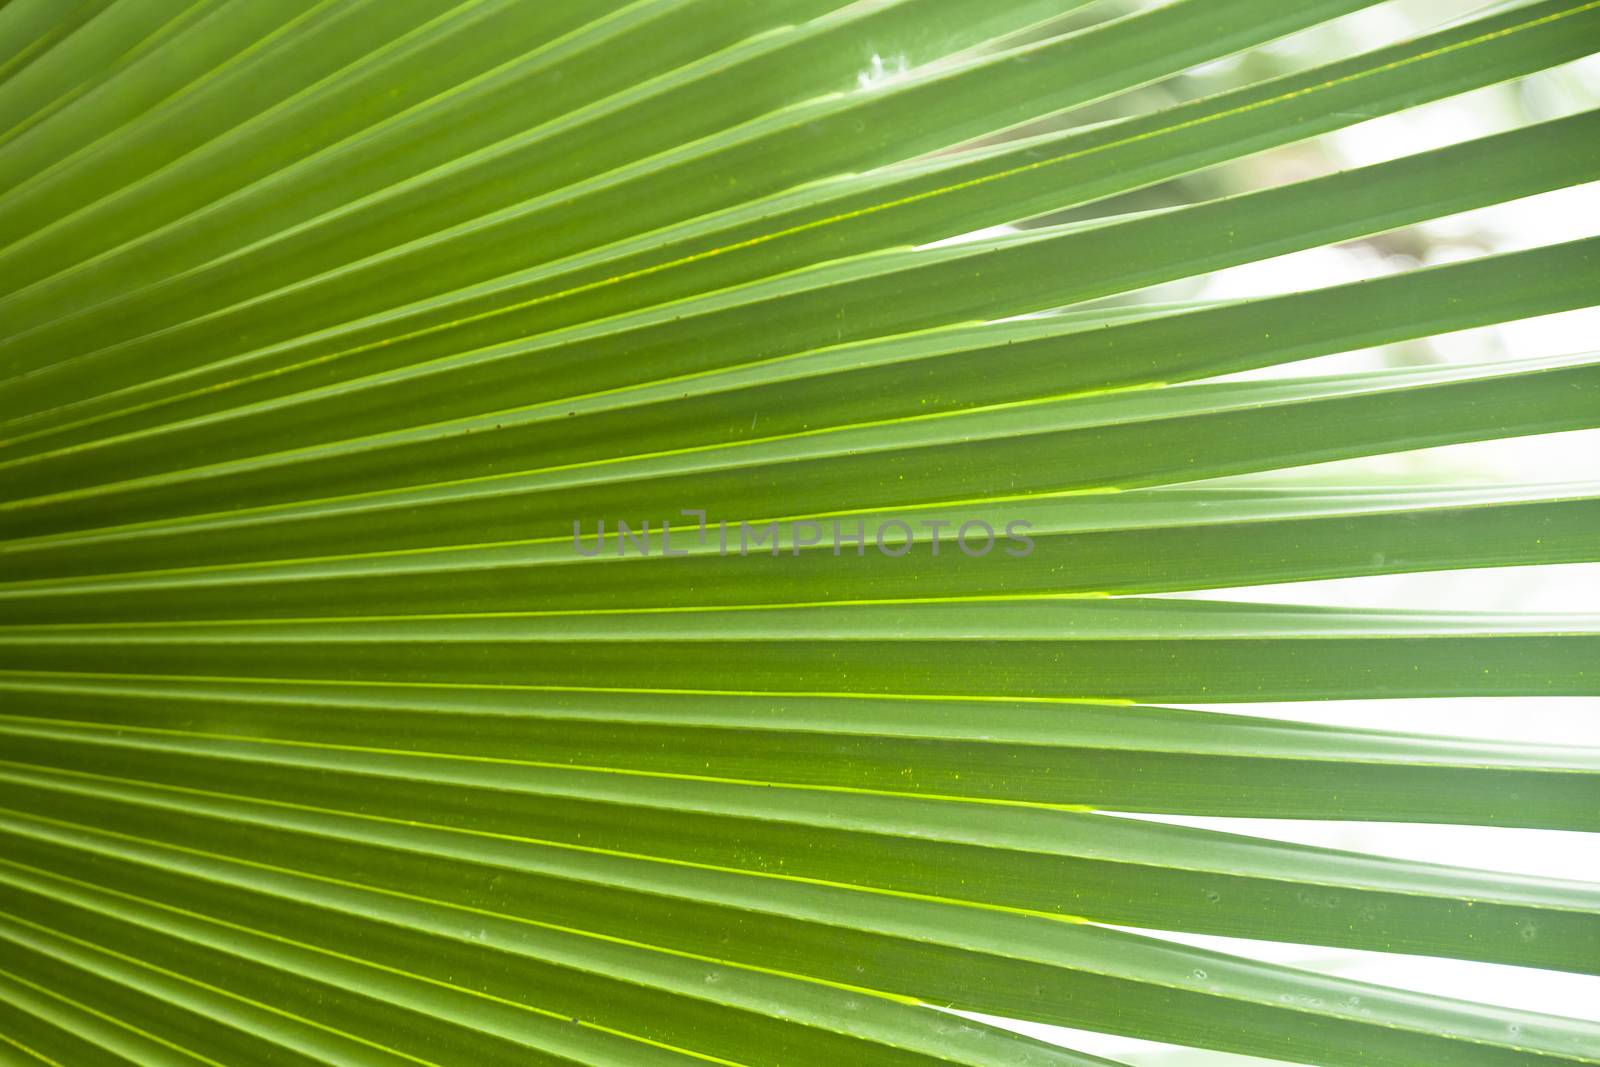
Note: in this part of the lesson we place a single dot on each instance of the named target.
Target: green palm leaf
(330, 325)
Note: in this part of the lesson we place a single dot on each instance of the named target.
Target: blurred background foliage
(1562, 216)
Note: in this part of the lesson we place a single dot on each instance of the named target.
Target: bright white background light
(1570, 457)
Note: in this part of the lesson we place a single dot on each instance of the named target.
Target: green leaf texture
(325, 325)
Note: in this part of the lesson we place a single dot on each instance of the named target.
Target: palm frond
(335, 727)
